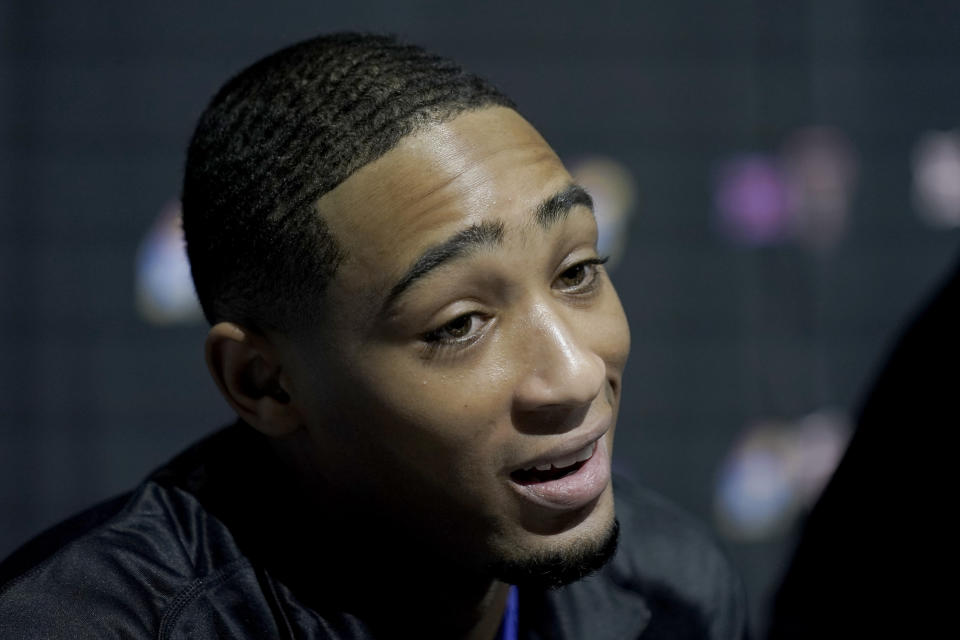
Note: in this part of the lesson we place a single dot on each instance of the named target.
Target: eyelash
(435, 339)
(592, 280)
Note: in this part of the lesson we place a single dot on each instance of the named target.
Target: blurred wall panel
(97, 102)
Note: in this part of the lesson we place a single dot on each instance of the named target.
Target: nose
(560, 369)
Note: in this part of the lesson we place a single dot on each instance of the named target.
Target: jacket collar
(598, 607)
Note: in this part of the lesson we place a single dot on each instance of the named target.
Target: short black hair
(278, 136)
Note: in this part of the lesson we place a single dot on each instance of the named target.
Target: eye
(582, 276)
(461, 329)
(574, 275)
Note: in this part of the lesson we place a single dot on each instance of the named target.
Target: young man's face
(471, 335)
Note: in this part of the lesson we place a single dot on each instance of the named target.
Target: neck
(375, 569)
(393, 584)
(394, 581)
(491, 613)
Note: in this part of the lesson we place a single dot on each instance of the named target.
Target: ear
(245, 367)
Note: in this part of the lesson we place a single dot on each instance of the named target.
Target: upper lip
(569, 446)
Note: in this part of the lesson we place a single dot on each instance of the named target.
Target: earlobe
(248, 374)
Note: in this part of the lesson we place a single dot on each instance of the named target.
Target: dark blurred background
(786, 176)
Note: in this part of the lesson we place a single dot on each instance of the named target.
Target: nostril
(550, 419)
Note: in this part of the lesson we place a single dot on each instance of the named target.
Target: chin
(553, 561)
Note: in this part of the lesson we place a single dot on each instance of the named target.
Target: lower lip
(575, 490)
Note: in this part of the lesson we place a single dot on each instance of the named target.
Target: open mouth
(526, 477)
(555, 469)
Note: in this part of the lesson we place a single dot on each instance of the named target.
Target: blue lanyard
(508, 628)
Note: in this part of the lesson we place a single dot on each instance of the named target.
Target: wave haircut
(278, 136)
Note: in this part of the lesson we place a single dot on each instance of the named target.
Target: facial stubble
(555, 568)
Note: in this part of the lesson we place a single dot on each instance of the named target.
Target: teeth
(578, 456)
(566, 461)
(585, 453)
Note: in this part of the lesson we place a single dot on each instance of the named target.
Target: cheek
(443, 420)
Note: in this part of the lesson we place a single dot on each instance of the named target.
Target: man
(411, 320)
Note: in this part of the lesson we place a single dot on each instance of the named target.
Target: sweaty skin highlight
(476, 336)
(505, 355)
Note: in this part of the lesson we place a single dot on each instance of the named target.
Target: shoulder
(170, 560)
(673, 562)
(114, 576)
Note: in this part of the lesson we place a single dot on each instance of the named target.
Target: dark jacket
(180, 558)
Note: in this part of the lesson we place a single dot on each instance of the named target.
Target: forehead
(483, 165)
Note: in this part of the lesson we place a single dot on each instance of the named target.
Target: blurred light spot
(776, 470)
(614, 195)
(820, 438)
(936, 178)
(750, 198)
(820, 167)
(164, 290)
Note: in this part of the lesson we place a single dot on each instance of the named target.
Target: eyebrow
(557, 206)
(484, 234)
